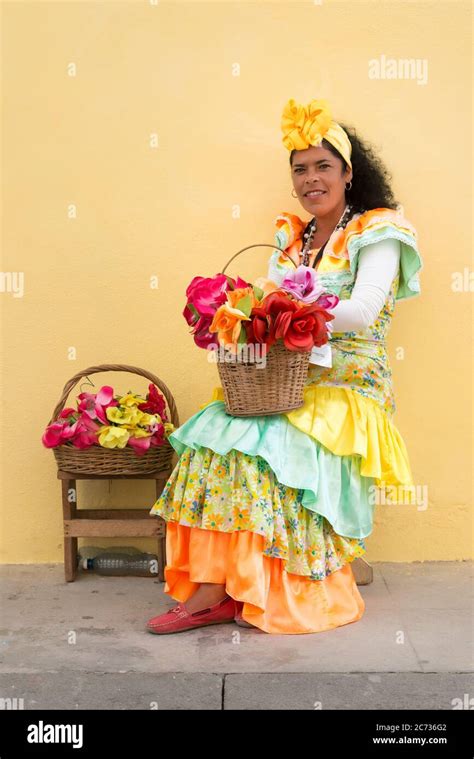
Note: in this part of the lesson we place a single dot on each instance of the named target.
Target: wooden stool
(95, 463)
(111, 523)
(132, 523)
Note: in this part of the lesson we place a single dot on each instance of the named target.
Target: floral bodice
(359, 359)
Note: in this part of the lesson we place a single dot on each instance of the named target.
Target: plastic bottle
(90, 552)
(121, 564)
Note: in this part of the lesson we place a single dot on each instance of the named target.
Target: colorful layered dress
(277, 507)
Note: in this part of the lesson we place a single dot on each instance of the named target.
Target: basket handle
(258, 245)
(117, 368)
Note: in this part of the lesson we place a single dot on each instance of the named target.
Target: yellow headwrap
(303, 126)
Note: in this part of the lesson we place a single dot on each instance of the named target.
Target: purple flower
(303, 284)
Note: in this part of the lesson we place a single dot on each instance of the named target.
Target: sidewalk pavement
(83, 645)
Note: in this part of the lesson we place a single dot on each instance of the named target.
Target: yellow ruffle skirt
(348, 423)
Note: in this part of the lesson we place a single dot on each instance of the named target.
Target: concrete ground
(83, 645)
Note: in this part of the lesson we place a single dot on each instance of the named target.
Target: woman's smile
(315, 194)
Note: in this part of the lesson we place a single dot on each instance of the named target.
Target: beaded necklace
(310, 231)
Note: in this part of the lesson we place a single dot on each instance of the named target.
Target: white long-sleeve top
(378, 264)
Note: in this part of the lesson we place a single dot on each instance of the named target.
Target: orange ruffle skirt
(274, 600)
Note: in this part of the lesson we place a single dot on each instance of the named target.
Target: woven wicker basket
(277, 387)
(99, 460)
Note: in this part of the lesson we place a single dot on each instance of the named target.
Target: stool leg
(70, 544)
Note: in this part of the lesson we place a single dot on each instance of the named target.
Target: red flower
(154, 404)
(303, 328)
(261, 328)
(278, 302)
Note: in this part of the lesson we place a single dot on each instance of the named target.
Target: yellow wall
(170, 211)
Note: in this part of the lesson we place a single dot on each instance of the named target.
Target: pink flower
(70, 427)
(205, 295)
(327, 301)
(95, 404)
(158, 438)
(202, 337)
(66, 412)
(236, 284)
(62, 429)
(85, 432)
(158, 430)
(303, 284)
(52, 436)
(142, 444)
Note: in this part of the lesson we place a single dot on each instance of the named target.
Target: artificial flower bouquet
(262, 334)
(112, 421)
(239, 313)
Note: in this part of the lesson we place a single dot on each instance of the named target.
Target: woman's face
(316, 168)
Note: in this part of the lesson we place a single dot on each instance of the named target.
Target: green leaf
(193, 310)
(242, 336)
(245, 305)
(258, 292)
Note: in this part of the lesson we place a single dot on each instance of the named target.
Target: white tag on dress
(322, 355)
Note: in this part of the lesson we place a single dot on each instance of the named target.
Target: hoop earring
(350, 185)
(294, 196)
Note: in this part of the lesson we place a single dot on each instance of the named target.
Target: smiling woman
(265, 514)
(324, 182)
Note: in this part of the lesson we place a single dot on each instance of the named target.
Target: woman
(265, 514)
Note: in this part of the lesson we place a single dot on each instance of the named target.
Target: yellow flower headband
(303, 126)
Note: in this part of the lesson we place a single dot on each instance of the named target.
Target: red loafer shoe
(179, 618)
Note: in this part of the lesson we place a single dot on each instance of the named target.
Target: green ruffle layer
(332, 485)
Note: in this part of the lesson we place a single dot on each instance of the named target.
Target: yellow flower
(240, 515)
(113, 437)
(353, 371)
(213, 521)
(130, 399)
(169, 427)
(149, 418)
(126, 415)
(139, 432)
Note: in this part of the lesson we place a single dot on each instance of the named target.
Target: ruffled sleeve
(289, 230)
(380, 224)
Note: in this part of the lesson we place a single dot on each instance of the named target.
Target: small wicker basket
(99, 460)
(251, 389)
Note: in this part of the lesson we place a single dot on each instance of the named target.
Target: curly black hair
(371, 179)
